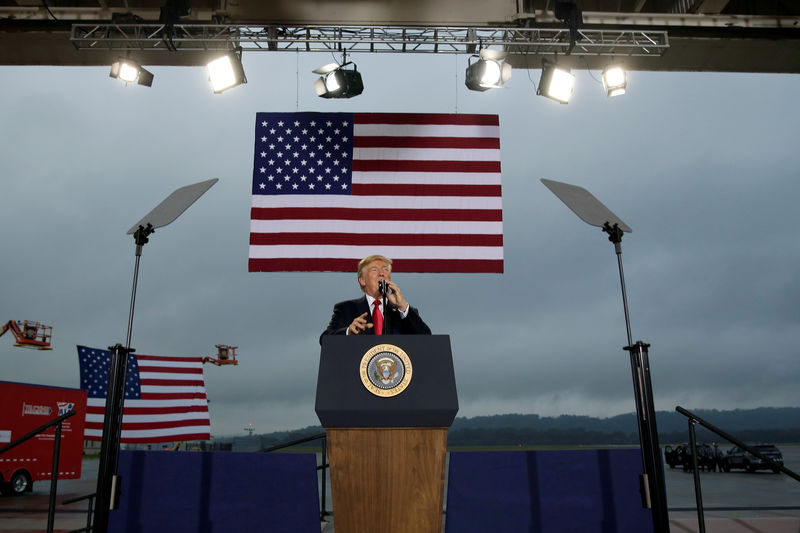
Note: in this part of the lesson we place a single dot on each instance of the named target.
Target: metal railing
(89, 511)
(698, 493)
(51, 509)
(322, 468)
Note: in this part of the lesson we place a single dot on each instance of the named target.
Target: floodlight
(488, 72)
(338, 82)
(556, 83)
(130, 71)
(225, 72)
(615, 79)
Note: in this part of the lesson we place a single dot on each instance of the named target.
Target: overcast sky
(703, 167)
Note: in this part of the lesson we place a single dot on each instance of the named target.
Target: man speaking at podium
(366, 315)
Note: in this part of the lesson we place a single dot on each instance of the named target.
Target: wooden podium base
(387, 480)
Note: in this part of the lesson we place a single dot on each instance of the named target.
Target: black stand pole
(652, 484)
(108, 483)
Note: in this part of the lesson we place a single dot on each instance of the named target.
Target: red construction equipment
(226, 355)
(29, 334)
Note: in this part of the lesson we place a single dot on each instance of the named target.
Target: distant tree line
(765, 424)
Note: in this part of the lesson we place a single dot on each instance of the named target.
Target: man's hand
(358, 325)
(396, 297)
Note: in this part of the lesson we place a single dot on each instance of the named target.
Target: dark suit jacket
(345, 312)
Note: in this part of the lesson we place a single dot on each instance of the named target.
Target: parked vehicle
(708, 457)
(740, 458)
(674, 455)
(25, 408)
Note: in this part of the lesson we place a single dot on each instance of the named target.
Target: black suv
(740, 458)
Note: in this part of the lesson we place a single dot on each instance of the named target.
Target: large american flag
(165, 397)
(332, 188)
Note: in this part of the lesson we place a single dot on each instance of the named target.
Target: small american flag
(332, 188)
(165, 397)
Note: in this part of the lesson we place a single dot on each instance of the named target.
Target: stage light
(130, 71)
(556, 83)
(225, 72)
(338, 82)
(488, 72)
(615, 80)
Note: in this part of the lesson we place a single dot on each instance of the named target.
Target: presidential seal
(385, 370)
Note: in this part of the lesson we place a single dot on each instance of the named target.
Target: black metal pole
(698, 493)
(108, 485)
(652, 481)
(51, 509)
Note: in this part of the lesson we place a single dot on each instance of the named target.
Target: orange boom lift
(226, 355)
(29, 334)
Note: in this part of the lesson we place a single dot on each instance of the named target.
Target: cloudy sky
(703, 167)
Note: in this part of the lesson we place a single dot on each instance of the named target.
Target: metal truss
(372, 39)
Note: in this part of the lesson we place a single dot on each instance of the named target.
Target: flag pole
(108, 482)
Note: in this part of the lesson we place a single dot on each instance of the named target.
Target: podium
(386, 403)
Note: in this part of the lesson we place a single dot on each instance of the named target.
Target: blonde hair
(369, 259)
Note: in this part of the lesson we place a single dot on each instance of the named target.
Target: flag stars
(264, 124)
(306, 149)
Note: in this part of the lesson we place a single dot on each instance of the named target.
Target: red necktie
(377, 318)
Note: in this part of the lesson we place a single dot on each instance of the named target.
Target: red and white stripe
(173, 406)
(426, 192)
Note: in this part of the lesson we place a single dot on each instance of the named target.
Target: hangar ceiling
(658, 35)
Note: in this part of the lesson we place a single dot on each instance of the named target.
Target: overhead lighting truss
(373, 39)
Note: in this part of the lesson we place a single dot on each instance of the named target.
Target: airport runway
(733, 502)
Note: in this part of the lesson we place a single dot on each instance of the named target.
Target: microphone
(382, 288)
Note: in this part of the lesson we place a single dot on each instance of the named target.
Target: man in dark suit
(357, 317)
